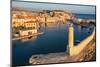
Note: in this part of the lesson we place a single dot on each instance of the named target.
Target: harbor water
(54, 39)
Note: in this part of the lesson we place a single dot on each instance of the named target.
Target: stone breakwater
(88, 54)
(74, 50)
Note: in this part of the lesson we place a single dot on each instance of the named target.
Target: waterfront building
(52, 19)
(24, 23)
(31, 24)
(27, 32)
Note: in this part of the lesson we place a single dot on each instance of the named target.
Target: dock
(27, 36)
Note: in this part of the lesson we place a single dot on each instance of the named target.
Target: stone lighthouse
(70, 39)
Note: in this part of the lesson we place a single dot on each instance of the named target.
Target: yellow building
(30, 24)
(52, 19)
(17, 22)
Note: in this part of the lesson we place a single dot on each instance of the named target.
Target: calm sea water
(53, 40)
(92, 16)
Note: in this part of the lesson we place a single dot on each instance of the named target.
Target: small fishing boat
(77, 41)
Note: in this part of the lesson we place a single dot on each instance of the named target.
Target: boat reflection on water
(33, 38)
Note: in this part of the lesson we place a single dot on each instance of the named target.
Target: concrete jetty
(74, 50)
(87, 54)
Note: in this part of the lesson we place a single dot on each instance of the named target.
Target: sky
(79, 9)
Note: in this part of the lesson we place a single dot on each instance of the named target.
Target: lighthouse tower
(70, 39)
